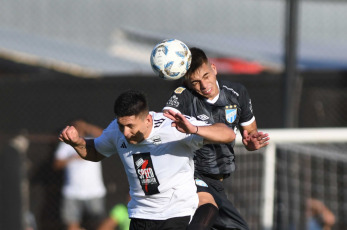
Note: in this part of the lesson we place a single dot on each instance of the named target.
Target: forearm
(216, 133)
(80, 147)
(86, 150)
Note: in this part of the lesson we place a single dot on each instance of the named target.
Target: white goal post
(287, 136)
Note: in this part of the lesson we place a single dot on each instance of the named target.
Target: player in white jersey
(159, 169)
(157, 153)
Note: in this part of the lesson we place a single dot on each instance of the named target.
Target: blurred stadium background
(66, 59)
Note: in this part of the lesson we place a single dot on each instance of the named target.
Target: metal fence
(302, 172)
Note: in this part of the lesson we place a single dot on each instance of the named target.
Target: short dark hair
(131, 102)
(198, 59)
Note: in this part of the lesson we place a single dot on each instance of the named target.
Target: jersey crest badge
(230, 113)
(179, 90)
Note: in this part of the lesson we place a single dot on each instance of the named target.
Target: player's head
(134, 121)
(202, 75)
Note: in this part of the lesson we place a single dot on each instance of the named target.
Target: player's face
(135, 128)
(204, 81)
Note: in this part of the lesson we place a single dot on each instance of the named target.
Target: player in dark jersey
(207, 99)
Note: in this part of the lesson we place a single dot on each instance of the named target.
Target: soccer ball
(170, 59)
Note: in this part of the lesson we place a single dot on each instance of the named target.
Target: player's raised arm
(84, 148)
(215, 133)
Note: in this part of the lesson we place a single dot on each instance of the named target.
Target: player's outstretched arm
(216, 133)
(84, 148)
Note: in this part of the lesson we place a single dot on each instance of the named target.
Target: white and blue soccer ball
(170, 59)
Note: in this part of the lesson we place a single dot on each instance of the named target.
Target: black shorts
(176, 223)
(229, 217)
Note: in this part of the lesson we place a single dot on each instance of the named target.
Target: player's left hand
(180, 122)
(255, 141)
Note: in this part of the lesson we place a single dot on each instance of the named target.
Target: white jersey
(160, 169)
(83, 179)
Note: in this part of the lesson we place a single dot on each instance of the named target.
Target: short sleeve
(105, 143)
(247, 116)
(179, 100)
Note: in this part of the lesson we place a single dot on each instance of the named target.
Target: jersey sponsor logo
(173, 101)
(145, 173)
(179, 90)
(203, 117)
(230, 113)
(156, 140)
(123, 145)
(200, 183)
(158, 122)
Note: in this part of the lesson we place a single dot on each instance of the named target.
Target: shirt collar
(216, 97)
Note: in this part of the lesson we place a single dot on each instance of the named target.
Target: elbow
(330, 220)
(231, 136)
(228, 134)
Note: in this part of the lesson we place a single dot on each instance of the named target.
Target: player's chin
(130, 141)
(133, 141)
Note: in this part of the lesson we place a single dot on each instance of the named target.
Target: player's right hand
(180, 122)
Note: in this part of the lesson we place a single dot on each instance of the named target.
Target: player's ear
(148, 118)
(214, 68)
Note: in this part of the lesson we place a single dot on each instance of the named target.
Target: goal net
(271, 187)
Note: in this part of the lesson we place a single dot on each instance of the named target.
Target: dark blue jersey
(233, 108)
